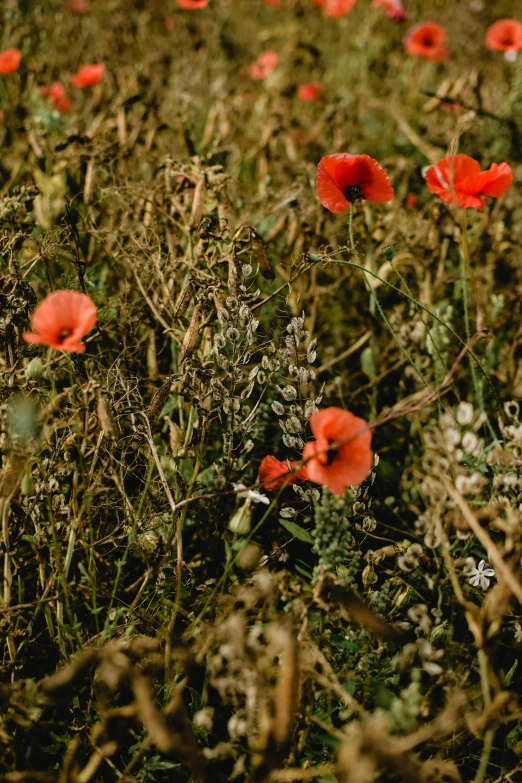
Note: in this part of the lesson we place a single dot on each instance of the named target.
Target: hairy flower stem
(468, 273)
(490, 733)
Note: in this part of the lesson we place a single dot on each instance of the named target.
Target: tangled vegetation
(166, 614)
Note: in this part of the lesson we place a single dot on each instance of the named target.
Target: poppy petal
(345, 465)
(62, 320)
(457, 179)
(342, 170)
(328, 191)
(496, 181)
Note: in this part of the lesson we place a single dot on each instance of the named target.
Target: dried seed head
(200, 194)
(191, 335)
(183, 299)
(289, 393)
(259, 255)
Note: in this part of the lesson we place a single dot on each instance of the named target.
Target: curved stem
(434, 315)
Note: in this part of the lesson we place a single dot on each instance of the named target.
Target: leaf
(511, 672)
(297, 531)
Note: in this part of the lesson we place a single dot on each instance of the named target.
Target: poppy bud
(34, 370)
(27, 485)
(249, 557)
(402, 597)
(368, 575)
(311, 258)
(388, 252)
(241, 522)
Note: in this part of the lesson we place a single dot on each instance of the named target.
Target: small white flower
(251, 494)
(511, 55)
(465, 413)
(471, 444)
(479, 576)
(518, 633)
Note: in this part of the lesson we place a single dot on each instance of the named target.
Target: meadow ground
(261, 480)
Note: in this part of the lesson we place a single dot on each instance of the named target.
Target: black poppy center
(428, 41)
(331, 454)
(352, 192)
(64, 334)
(507, 41)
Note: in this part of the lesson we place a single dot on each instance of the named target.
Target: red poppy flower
(192, 5)
(58, 97)
(343, 178)
(275, 473)
(505, 35)
(88, 75)
(335, 8)
(392, 9)
(79, 6)
(458, 179)
(340, 455)
(61, 320)
(427, 40)
(265, 63)
(273, 3)
(411, 201)
(310, 91)
(9, 61)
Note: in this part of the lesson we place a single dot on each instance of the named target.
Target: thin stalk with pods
(374, 302)
(467, 272)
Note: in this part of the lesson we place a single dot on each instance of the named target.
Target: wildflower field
(260, 384)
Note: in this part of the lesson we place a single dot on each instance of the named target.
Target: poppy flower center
(352, 192)
(64, 334)
(507, 41)
(331, 454)
(427, 41)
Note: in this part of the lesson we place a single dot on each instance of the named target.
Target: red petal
(338, 171)
(353, 460)
(443, 177)
(63, 310)
(496, 181)
(274, 474)
(505, 35)
(328, 191)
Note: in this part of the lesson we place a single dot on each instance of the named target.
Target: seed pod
(200, 194)
(258, 250)
(158, 401)
(104, 416)
(11, 474)
(89, 179)
(34, 370)
(402, 597)
(249, 557)
(176, 437)
(368, 575)
(191, 335)
(183, 299)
